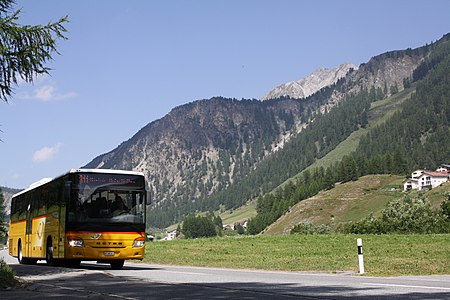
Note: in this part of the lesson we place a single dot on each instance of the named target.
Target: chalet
(444, 168)
(228, 227)
(170, 235)
(243, 223)
(423, 179)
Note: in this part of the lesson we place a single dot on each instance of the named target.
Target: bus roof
(105, 171)
(101, 171)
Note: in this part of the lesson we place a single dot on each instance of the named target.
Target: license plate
(110, 253)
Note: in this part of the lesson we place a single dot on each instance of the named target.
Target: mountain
(311, 84)
(223, 152)
(7, 194)
(204, 146)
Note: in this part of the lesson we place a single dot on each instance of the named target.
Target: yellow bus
(83, 215)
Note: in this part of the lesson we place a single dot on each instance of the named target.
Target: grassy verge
(384, 255)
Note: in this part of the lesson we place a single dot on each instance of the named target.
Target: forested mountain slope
(415, 136)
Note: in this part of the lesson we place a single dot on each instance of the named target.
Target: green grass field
(242, 213)
(384, 255)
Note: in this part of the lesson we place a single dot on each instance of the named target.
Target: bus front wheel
(73, 263)
(117, 264)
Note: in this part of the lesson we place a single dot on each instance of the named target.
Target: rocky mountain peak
(312, 83)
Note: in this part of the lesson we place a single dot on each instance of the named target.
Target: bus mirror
(67, 188)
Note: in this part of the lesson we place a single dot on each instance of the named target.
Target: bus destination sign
(101, 179)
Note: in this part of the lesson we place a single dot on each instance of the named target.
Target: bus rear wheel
(24, 260)
(19, 253)
(117, 264)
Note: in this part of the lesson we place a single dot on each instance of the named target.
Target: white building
(444, 168)
(170, 235)
(423, 179)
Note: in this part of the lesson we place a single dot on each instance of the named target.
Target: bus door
(54, 221)
(36, 226)
(26, 246)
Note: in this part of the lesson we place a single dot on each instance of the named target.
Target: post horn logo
(40, 231)
(96, 236)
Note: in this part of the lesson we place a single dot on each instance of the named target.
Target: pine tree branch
(24, 50)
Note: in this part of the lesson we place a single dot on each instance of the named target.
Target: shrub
(369, 225)
(445, 206)
(308, 228)
(409, 215)
(198, 226)
(239, 228)
(406, 215)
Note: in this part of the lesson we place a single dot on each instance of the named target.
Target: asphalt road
(145, 281)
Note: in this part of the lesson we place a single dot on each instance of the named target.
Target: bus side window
(22, 206)
(14, 214)
(34, 199)
(66, 192)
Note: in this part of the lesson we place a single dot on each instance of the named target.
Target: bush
(307, 228)
(200, 226)
(405, 215)
(411, 216)
(369, 225)
(239, 228)
(445, 206)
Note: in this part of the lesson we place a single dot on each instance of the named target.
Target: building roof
(436, 174)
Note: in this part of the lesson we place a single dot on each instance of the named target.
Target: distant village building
(444, 168)
(170, 235)
(228, 227)
(243, 223)
(423, 179)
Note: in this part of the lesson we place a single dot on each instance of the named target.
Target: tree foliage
(445, 206)
(24, 50)
(406, 215)
(307, 228)
(201, 226)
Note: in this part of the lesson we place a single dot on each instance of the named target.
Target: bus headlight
(76, 242)
(139, 242)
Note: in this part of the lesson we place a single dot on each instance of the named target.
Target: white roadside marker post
(360, 256)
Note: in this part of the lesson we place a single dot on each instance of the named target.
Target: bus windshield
(105, 203)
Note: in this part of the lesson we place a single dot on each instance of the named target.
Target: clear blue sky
(128, 63)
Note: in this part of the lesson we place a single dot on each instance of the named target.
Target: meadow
(384, 255)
